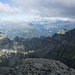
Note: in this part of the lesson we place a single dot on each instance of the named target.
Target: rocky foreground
(39, 66)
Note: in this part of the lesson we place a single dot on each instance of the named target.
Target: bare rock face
(4, 70)
(40, 66)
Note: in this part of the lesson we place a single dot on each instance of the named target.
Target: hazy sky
(24, 9)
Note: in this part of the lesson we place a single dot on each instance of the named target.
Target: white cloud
(54, 8)
(5, 8)
(43, 8)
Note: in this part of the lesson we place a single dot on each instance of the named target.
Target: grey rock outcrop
(40, 66)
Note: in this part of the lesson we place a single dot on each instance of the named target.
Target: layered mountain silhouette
(59, 47)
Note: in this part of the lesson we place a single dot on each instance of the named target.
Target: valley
(31, 29)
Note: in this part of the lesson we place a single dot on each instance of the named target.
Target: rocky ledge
(39, 66)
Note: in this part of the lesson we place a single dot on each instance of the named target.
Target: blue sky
(7, 15)
(9, 2)
(25, 9)
(6, 1)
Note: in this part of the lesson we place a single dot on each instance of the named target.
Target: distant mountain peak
(0, 32)
(16, 38)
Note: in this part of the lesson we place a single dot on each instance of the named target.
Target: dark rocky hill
(65, 49)
(38, 66)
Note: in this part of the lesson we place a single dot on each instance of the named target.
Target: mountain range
(59, 47)
(28, 30)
